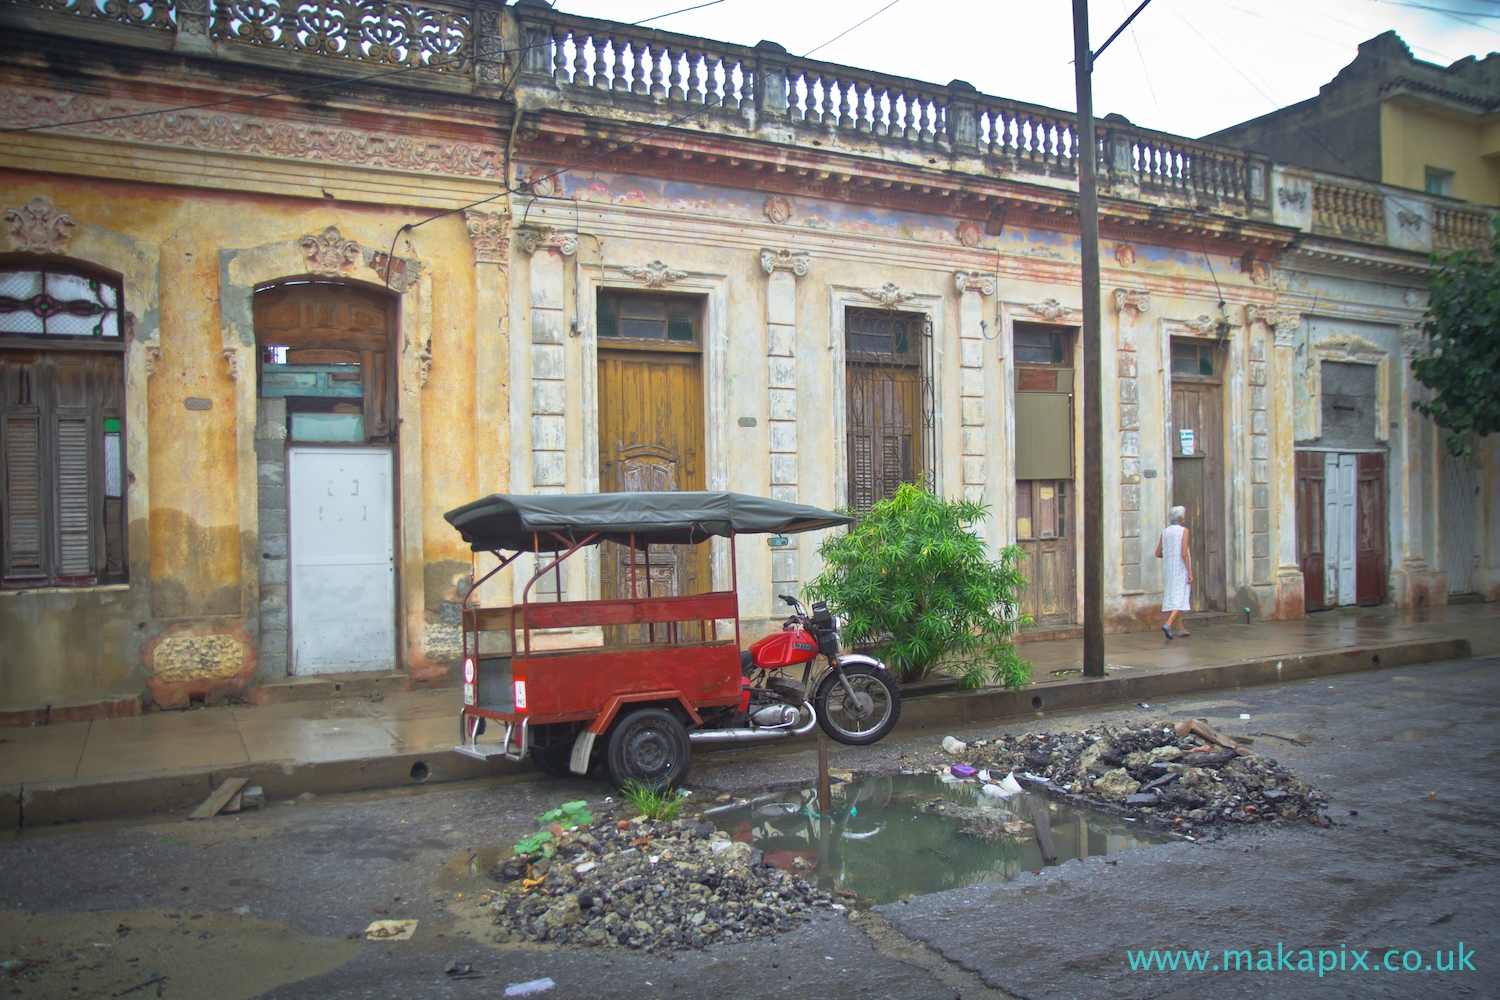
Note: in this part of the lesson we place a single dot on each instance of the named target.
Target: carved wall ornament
(1412, 296)
(655, 274)
(424, 364)
(1125, 254)
(888, 295)
(1204, 326)
(1286, 328)
(795, 261)
(328, 252)
(489, 232)
(1050, 310)
(1349, 347)
(226, 131)
(967, 232)
(37, 227)
(1131, 298)
(153, 358)
(1291, 197)
(1412, 335)
(232, 359)
(547, 238)
(1262, 314)
(777, 210)
(967, 281)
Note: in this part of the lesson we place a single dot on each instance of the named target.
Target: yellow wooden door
(650, 440)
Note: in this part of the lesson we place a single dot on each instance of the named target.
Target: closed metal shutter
(1044, 435)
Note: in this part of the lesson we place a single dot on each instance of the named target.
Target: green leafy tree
(1461, 362)
(912, 579)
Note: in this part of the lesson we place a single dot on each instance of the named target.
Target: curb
(81, 799)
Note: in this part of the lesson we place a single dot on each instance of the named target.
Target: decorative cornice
(489, 232)
(547, 238)
(655, 274)
(37, 227)
(1050, 310)
(225, 131)
(1133, 299)
(328, 253)
(795, 261)
(888, 295)
(968, 281)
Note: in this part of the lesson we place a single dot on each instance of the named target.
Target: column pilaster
(1131, 305)
(972, 389)
(783, 268)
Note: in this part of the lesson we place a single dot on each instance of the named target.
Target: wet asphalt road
(264, 905)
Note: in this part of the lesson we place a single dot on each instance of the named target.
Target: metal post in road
(1093, 414)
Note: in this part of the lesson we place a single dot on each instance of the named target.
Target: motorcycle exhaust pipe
(719, 736)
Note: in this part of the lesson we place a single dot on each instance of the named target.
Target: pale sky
(1185, 66)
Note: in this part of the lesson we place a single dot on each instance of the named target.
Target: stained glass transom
(58, 303)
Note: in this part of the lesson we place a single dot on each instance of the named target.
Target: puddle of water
(897, 836)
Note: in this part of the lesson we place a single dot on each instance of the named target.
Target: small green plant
(913, 578)
(566, 815)
(658, 804)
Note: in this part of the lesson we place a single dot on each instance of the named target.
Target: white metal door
(341, 548)
(1339, 550)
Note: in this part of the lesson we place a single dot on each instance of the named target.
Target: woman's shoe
(1168, 630)
(1183, 635)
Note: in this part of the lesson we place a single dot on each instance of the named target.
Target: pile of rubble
(655, 886)
(1187, 776)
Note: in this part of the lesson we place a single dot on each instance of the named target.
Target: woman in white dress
(1177, 571)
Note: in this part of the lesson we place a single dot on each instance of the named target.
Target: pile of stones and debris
(654, 886)
(1184, 781)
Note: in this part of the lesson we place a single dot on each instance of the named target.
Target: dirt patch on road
(103, 953)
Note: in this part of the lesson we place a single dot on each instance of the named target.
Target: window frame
(696, 303)
(69, 341)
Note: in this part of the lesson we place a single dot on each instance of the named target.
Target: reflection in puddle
(895, 836)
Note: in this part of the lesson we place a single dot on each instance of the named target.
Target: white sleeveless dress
(1177, 592)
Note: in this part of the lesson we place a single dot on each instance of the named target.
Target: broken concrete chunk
(1115, 785)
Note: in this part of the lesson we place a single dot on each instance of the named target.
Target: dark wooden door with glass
(1043, 361)
(888, 401)
(1197, 440)
(650, 431)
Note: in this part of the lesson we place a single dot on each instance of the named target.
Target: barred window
(62, 472)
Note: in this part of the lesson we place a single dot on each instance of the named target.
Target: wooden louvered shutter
(22, 487)
(74, 516)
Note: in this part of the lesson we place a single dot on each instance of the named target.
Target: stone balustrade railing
(1349, 211)
(1381, 214)
(1461, 227)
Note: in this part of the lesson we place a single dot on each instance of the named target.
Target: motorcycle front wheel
(866, 717)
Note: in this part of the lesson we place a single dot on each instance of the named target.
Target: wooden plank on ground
(220, 798)
(1041, 819)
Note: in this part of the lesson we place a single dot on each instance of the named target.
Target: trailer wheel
(648, 746)
(552, 750)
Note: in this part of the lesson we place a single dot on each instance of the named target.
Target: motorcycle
(854, 697)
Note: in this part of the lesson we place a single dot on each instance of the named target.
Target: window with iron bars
(889, 400)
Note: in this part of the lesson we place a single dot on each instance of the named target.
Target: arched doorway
(327, 393)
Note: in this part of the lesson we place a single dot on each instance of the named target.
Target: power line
(846, 31)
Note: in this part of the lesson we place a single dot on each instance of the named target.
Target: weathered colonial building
(263, 321)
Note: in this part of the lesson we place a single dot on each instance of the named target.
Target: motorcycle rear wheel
(844, 720)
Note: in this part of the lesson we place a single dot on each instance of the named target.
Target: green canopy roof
(513, 522)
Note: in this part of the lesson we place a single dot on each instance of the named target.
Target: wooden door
(1310, 484)
(884, 392)
(1370, 554)
(1340, 529)
(650, 440)
(1197, 439)
(1042, 531)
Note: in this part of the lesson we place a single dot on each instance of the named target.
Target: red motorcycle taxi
(632, 684)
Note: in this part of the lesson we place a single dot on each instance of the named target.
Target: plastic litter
(963, 770)
(586, 867)
(950, 745)
(526, 989)
(1004, 789)
(984, 776)
(1244, 715)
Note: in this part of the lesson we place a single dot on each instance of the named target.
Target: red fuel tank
(784, 649)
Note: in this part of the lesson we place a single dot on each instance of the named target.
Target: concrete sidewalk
(168, 761)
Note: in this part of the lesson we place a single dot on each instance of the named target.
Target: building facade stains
(720, 266)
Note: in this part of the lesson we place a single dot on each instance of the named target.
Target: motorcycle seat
(747, 662)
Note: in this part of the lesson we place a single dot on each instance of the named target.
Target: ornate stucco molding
(777, 210)
(424, 364)
(1132, 299)
(1411, 340)
(238, 133)
(1349, 347)
(795, 261)
(655, 274)
(888, 295)
(232, 360)
(1050, 310)
(153, 358)
(547, 238)
(328, 253)
(489, 232)
(37, 227)
(968, 281)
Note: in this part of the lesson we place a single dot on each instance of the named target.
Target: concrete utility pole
(1093, 413)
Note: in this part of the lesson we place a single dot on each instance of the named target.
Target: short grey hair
(1176, 514)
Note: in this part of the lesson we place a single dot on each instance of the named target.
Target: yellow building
(1391, 118)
